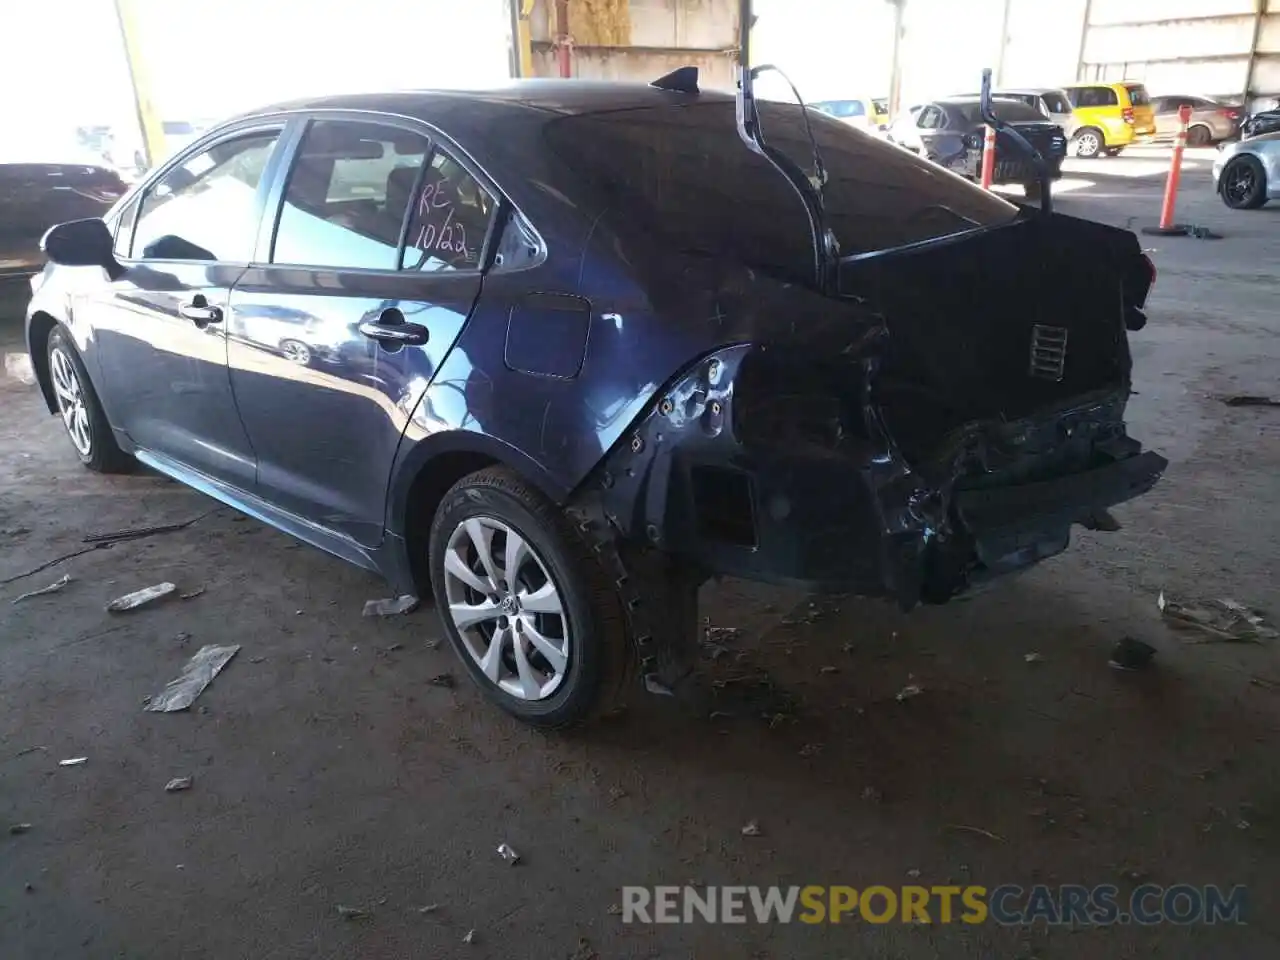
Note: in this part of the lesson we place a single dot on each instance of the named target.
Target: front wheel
(1199, 137)
(526, 605)
(1088, 143)
(1243, 183)
(80, 409)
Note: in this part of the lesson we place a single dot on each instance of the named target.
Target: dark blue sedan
(557, 353)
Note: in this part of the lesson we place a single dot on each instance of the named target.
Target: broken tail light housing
(785, 399)
(1127, 113)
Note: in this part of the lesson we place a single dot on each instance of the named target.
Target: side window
(519, 246)
(450, 221)
(205, 208)
(931, 118)
(347, 195)
(1098, 97)
(124, 230)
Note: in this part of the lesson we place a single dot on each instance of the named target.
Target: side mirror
(82, 243)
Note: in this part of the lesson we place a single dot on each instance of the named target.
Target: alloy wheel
(1239, 183)
(70, 395)
(1087, 145)
(507, 608)
(296, 352)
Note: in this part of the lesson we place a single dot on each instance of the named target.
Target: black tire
(1113, 151)
(1088, 143)
(1199, 136)
(1243, 183)
(1033, 192)
(87, 428)
(599, 656)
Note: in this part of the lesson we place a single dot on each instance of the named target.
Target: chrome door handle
(199, 312)
(396, 334)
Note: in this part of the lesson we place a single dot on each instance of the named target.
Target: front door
(161, 324)
(334, 335)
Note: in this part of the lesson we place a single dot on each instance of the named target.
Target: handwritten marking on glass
(450, 237)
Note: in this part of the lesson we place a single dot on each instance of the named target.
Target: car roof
(555, 96)
(1104, 83)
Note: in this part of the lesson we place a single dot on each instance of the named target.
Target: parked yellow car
(1109, 117)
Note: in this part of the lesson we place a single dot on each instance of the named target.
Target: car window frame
(437, 140)
(210, 140)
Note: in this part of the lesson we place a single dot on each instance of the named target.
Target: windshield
(841, 108)
(1010, 111)
(680, 174)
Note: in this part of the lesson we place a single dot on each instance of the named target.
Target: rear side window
(348, 193)
(1094, 97)
(450, 220)
(206, 208)
(931, 118)
(1055, 103)
(1138, 95)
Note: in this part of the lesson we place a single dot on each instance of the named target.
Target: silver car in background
(1246, 173)
(1211, 120)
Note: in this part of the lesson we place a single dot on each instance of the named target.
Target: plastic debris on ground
(191, 594)
(177, 784)
(73, 762)
(139, 598)
(199, 672)
(51, 588)
(1131, 654)
(443, 680)
(1250, 400)
(752, 829)
(507, 853)
(429, 908)
(1226, 620)
(353, 913)
(391, 606)
(909, 691)
(1033, 657)
(470, 937)
(17, 828)
(19, 367)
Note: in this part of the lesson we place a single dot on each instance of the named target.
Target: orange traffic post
(1175, 170)
(988, 157)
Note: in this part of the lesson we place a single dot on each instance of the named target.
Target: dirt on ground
(985, 742)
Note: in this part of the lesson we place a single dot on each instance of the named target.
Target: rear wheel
(1200, 136)
(526, 605)
(1088, 143)
(1244, 183)
(81, 413)
(1113, 151)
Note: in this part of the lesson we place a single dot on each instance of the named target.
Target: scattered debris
(507, 853)
(391, 606)
(752, 829)
(51, 588)
(913, 874)
(470, 937)
(443, 680)
(18, 366)
(1250, 400)
(191, 594)
(720, 715)
(353, 913)
(257, 659)
(616, 794)
(177, 784)
(872, 795)
(718, 635)
(1256, 681)
(139, 533)
(182, 638)
(433, 644)
(181, 692)
(17, 828)
(23, 753)
(52, 563)
(1226, 620)
(1243, 824)
(394, 647)
(909, 691)
(131, 601)
(584, 951)
(978, 830)
(811, 750)
(74, 762)
(1033, 657)
(1130, 653)
(615, 909)
(429, 908)
(715, 650)
(828, 669)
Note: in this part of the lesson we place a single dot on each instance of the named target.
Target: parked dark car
(1262, 122)
(599, 351)
(39, 189)
(950, 133)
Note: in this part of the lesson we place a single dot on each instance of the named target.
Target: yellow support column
(149, 122)
(524, 37)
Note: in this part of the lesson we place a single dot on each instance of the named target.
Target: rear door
(162, 348)
(1144, 120)
(362, 283)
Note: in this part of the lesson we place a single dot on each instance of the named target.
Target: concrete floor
(329, 771)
